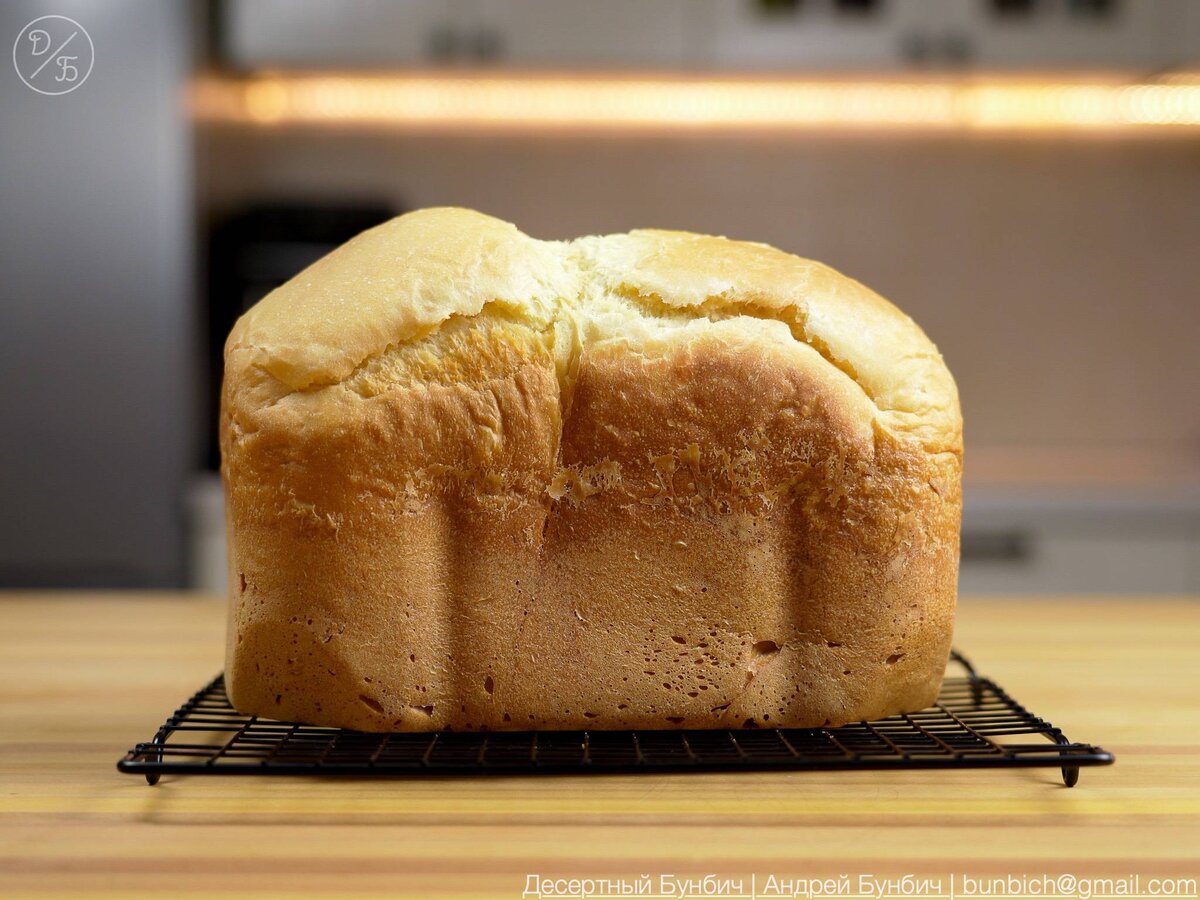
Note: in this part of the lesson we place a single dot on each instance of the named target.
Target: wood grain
(84, 676)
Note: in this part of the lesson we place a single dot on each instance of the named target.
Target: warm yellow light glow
(561, 102)
(1182, 76)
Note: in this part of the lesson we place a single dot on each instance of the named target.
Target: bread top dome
(404, 281)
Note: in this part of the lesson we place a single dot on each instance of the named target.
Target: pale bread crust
(654, 480)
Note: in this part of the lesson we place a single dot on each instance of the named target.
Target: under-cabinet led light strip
(660, 103)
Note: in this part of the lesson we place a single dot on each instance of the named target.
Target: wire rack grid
(973, 724)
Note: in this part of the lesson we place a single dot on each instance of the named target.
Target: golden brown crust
(651, 480)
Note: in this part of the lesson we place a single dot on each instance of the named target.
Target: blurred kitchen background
(1021, 176)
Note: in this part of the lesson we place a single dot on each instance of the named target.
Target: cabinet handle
(954, 48)
(486, 44)
(443, 44)
(915, 48)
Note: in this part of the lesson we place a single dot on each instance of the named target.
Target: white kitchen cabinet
(733, 35)
(316, 34)
(1090, 561)
(416, 33)
(638, 34)
(1077, 34)
(1096, 542)
(809, 36)
(883, 35)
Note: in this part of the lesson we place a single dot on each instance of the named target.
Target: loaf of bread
(476, 480)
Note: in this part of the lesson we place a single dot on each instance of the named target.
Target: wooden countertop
(84, 676)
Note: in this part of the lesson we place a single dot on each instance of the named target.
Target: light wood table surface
(84, 676)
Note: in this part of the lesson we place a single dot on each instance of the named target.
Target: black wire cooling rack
(974, 724)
